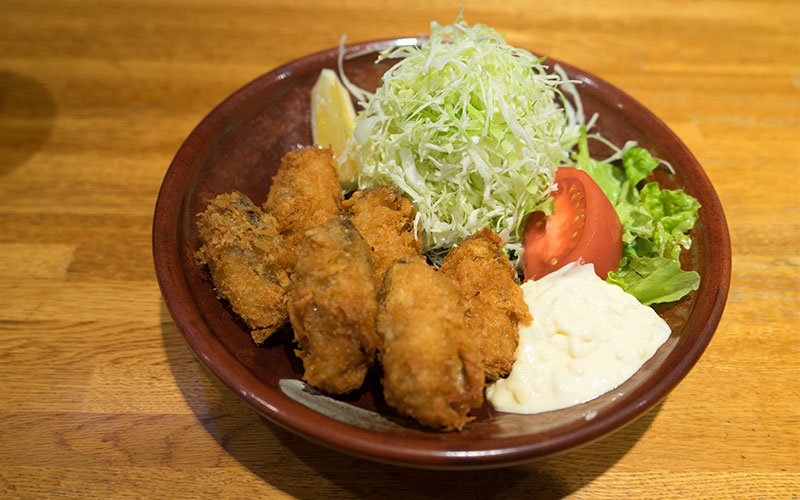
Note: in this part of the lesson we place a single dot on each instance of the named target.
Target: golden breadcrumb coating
(248, 261)
(333, 306)
(305, 192)
(385, 218)
(485, 282)
(432, 368)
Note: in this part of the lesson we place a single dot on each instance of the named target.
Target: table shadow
(304, 469)
(27, 112)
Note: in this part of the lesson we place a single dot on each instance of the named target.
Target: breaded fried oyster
(432, 368)
(485, 282)
(305, 192)
(248, 261)
(332, 306)
(385, 218)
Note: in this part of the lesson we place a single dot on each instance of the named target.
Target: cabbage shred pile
(470, 128)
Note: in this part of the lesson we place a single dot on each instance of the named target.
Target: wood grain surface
(101, 397)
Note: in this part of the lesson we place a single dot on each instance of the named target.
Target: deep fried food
(247, 259)
(313, 259)
(385, 218)
(432, 368)
(305, 192)
(333, 305)
(485, 282)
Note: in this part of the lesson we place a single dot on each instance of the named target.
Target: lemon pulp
(332, 122)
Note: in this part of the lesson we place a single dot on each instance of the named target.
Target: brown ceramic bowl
(238, 146)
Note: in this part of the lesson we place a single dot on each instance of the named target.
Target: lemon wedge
(332, 122)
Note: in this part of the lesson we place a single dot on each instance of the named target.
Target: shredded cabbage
(470, 128)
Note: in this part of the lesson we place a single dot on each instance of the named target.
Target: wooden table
(101, 397)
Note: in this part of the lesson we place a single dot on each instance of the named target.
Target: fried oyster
(432, 369)
(305, 192)
(494, 303)
(385, 218)
(248, 261)
(332, 306)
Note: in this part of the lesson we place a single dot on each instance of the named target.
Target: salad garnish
(655, 225)
(472, 130)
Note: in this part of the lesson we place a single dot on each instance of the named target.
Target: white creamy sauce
(587, 337)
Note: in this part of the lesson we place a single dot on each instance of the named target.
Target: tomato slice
(584, 225)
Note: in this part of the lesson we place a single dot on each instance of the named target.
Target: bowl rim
(484, 453)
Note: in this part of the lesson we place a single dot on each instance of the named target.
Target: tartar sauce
(587, 337)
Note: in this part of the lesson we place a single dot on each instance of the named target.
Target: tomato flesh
(584, 226)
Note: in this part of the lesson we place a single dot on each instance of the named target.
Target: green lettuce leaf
(606, 175)
(655, 225)
(655, 279)
(638, 164)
